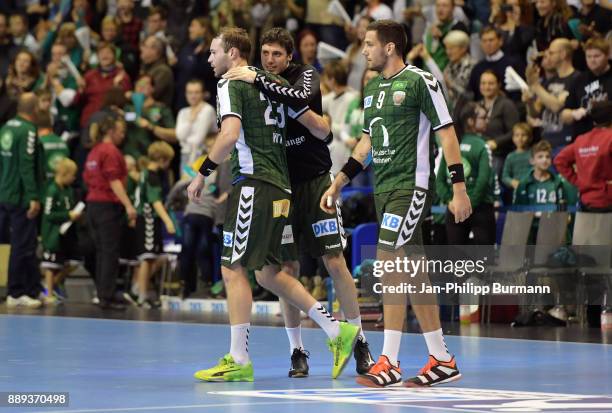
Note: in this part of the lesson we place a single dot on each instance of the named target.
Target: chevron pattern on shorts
(244, 217)
(412, 218)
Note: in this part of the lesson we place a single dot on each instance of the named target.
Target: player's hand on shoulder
(241, 73)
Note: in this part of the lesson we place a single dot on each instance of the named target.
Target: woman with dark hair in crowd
(23, 74)
(501, 115)
(553, 22)
(307, 49)
(193, 62)
(514, 20)
(107, 204)
(355, 61)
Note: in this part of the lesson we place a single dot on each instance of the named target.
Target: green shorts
(400, 215)
(255, 224)
(314, 231)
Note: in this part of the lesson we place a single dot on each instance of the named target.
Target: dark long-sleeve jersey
(307, 156)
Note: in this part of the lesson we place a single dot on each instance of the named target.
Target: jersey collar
(397, 74)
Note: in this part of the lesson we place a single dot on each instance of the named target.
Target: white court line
(191, 406)
(189, 323)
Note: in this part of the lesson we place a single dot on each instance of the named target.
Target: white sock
(391, 346)
(329, 324)
(357, 322)
(436, 345)
(239, 348)
(295, 338)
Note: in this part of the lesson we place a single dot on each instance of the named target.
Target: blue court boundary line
(274, 327)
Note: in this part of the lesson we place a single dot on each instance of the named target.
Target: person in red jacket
(107, 205)
(100, 80)
(587, 163)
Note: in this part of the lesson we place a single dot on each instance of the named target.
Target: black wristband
(208, 167)
(351, 168)
(329, 138)
(456, 173)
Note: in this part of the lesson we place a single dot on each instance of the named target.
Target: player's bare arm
(360, 154)
(316, 125)
(226, 140)
(460, 205)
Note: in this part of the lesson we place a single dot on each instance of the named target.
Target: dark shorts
(315, 232)
(129, 246)
(400, 216)
(149, 241)
(67, 254)
(255, 225)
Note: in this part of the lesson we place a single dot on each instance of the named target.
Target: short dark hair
(280, 36)
(236, 37)
(163, 13)
(601, 113)
(337, 71)
(389, 31)
(541, 146)
(490, 29)
(195, 81)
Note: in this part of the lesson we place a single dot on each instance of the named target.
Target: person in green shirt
(54, 148)
(476, 160)
(59, 247)
(146, 124)
(517, 162)
(20, 201)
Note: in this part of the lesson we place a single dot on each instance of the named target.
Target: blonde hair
(65, 166)
(456, 38)
(160, 150)
(108, 21)
(523, 126)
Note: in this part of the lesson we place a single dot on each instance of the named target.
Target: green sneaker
(342, 347)
(227, 370)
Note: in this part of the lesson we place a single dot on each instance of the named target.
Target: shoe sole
(298, 375)
(222, 380)
(348, 357)
(364, 381)
(411, 385)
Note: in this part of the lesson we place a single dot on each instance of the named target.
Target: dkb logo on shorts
(325, 227)
(391, 222)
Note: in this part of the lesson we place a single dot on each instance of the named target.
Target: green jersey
(260, 150)
(401, 114)
(148, 192)
(137, 139)
(19, 174)
(54, 150)
(533, 192)
(516, 166)
(58, 203)
(476, 160)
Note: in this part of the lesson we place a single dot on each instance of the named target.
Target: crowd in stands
(112, 103)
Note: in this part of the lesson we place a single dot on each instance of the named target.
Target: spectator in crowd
(438, 29)
(591, 86)
(501, 116)
(7, 104)
(60, 249)
(553, 22)
(193, 62)
(152, 121)
(20, 202)
(199, 225)
(376, 10)
(335, 104)
(495, 60)
(54, 149)
(130, 24)
(18, 26)
(65, 34)
(64, 86)
(355, 61)
(107, 204)
(307, 49)
(517, 163)
(157, 21)
(151, 214)
(127, 54)
(233, 13)
(587, 163)
(325, 26)
(595, 21)
(540, 186)
(99, 81)
(514, 20)
(152, 56)
(194, 123)
(479, 182)
(24, 74)
(7, 47)
(548, 96)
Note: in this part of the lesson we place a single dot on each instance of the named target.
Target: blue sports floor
(134, 366)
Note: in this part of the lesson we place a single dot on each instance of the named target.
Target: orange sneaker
(435, 372)
(381, 374)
